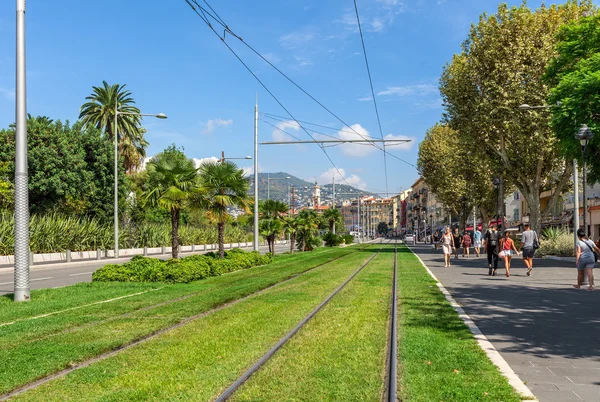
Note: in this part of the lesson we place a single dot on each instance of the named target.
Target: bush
(348, 239)
(332, 240)
(185, 270)
(559, 244)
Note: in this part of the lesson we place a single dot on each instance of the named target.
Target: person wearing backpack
(587, 256)
(492, 243)
(529, 243)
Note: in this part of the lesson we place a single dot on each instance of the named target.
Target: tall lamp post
(496, 183)
(116, 144)
(584, 135)
(223, 158)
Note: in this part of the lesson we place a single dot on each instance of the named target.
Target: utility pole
(293, 201)
(358, 218)
(333, 200)
(576, 201)
(256, 240)
(222, 156)
(21, 271)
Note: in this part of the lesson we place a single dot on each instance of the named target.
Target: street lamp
(584, 135)
(223, 158)
(496, 183)
(269, 184)
(116, 144)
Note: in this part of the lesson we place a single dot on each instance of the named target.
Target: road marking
(6, 283)
(78, 307)
(83, 273)
(40, 279)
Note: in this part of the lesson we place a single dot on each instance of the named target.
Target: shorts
(477, 244)
(583, 264)
(528, 252)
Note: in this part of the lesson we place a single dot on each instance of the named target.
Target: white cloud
(419, 89)
(278, 133)
(355, 132)
(403, 146)
(298, 39)
(198, 162)
(9, 94)
(343, 178)
(365, 99)
(374, 19)
(434, 104)
(212, 124)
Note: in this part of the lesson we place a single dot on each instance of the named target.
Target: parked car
(409, 238)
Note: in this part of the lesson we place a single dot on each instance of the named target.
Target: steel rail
(103, 356)
(393, 342)
(256, 366)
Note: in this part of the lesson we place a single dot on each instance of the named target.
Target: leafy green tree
(290, 227)
(574, 75)
(224, 186)
(99, 112)
(382, 228)
(332, 216)
(272, 214)
(70, 168)
(308, 230)
(454, 169)
(7, 195)
(502, 66)
(172, 183)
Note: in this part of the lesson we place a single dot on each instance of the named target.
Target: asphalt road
(64, 274)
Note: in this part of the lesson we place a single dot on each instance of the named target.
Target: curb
(556, 258)
(489, 349)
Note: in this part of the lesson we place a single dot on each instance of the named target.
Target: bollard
(68, 253)
(163, 250)
(145, 250)
(98, 254)
(193, 248)
(30, 258)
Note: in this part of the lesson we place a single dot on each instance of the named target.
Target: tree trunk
(535, 214)
(331, 225)
(292, 242)
(485, 219)
(175, 232)
(304, 243)
(221, 230)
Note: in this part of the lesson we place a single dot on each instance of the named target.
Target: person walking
(491, 246)
(435, 240)
(586, 259)
(457, 242)
(507, 245)
(447, 243)
(529, 242)
(476, 241)
(466, 243)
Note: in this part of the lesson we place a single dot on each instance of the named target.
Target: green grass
(438, 356)
(200, 359)
(59, 340)
(340, 354)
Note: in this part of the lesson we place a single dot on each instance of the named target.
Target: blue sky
(174, 64)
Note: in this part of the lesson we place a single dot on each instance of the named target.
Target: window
(517, 196)
(516, 214)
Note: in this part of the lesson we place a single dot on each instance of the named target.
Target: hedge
(184, 270)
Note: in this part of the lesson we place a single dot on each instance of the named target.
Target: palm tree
(332, 216)
(172, 182)
(99, 112)
(308, 229)
(290, 226)
(272, 213)
(223, 185)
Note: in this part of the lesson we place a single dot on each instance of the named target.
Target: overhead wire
(362, 39)
(258, 79)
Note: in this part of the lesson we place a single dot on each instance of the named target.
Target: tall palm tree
(99, 111)
(223, 185)
(172, 182)
(272, 213)
(290, 226)
(332, 216)
(308, 229)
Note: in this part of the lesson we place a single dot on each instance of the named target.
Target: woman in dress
(447, 243)
(457, 238)
(507, 245)
(585, 259)
(466, 243)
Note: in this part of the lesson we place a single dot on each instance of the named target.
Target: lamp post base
(22, 295)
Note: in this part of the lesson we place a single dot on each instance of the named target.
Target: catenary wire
(265, 87)
(362, 39)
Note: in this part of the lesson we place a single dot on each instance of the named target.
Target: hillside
(279, 189)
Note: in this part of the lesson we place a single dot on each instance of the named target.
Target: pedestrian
(529, 243)
(507, 245)
(586, 259)
(447, 243)
(436, 240)
(476, 241)
(466, 243)
(457, 242)
(491, 247)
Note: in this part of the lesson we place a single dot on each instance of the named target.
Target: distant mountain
(303, 190)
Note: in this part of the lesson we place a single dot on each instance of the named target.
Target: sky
(174, 64)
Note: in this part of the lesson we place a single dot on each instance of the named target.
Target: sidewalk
(548, 332)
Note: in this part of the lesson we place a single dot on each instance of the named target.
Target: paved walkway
(548, 332)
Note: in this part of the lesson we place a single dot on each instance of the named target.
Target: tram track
(231, 390)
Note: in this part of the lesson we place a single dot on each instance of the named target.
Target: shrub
(332, 240)
(185, 270)
(559, 244)
(348, 239)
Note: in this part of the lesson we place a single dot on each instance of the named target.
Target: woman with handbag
(447, 243)
(508, 249)
(587, 256)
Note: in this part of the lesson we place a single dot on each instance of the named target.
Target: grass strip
(59, 341)
(438, 356)
(200, 359)
(340, 355)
